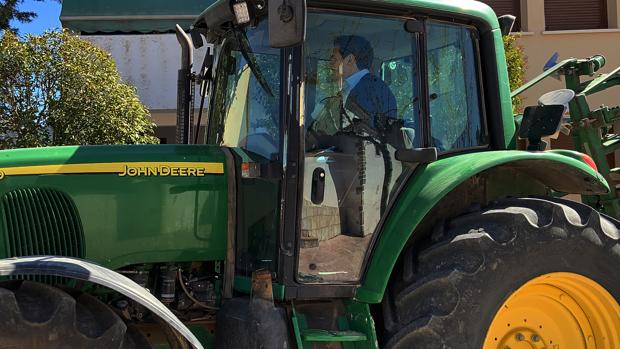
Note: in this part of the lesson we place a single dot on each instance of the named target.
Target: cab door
(361, 103)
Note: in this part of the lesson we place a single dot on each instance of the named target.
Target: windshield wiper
(248, 55)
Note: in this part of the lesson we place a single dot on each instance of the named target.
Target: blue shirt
(351, 82)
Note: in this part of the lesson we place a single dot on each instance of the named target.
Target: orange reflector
(250, 170)
(245, 169)
(588, 160)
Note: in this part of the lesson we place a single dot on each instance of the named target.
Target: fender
(564, 172)
(80, 269)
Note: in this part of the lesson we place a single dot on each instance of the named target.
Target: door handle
(317, 192)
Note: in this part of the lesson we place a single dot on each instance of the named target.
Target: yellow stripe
(107, 167)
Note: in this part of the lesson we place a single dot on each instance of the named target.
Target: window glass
(453, 78)
(361, 105)
(247, 96)
(245, 115)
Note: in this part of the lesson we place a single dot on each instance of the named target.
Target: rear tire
(447, 295)
(35, 315)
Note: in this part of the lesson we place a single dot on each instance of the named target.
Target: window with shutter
(507, 7)
(575, 14)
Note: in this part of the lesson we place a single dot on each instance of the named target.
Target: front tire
(36, 315)
(448, 294)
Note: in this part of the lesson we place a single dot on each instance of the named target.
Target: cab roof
(457, 9)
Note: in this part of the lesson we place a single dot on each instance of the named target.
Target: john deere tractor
(362, 183)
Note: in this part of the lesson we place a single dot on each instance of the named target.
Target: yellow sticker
(123, 169)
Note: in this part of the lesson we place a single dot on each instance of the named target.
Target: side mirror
(538, 122)
(287, 23)
(416, 155)
(506, 22)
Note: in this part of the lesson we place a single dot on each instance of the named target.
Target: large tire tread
(435, 288)
(36, 315)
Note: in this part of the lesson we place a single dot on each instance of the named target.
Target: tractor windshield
(245, 111)
(245, 115)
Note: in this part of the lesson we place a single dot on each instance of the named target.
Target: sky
(48, 17)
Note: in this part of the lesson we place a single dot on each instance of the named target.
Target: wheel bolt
(520, 337)
(535, 338)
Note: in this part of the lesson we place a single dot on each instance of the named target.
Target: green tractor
(359, 186)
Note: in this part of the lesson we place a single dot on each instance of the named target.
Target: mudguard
(80, 269)
(563, 171)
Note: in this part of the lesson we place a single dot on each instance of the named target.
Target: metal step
(315, 335)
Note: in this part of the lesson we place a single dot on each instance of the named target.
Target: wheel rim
(557, 310)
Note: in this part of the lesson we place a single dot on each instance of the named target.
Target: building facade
(572, 28)
(139, 35)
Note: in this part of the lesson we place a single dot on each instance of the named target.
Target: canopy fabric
(129, 16)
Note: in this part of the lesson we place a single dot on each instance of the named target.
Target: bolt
(520, 337)
(535, 338)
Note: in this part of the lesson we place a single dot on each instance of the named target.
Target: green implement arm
(592, 129)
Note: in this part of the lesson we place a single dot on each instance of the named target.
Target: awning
(129, 16)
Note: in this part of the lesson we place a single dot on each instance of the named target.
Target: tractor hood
(114, 205)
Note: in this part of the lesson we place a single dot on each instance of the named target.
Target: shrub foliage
(515, 59)
(58, 89)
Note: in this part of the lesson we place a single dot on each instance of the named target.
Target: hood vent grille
(41, 221)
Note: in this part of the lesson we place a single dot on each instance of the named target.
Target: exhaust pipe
(184, 91)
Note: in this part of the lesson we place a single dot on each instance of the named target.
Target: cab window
(456, 118)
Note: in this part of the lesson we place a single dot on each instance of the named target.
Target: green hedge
(515, 59)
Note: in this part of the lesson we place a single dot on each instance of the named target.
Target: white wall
(149, 62)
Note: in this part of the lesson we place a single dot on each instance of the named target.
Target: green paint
(549, 72)
(356, 329)
(360, 319)
(131, 220)
(450, 8)
(206, 338)
(504, 91)
(299, 324)
(424, 190)
(96, 16)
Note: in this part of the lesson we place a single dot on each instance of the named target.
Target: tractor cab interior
(360, 107)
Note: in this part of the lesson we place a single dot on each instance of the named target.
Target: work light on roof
(242, 15)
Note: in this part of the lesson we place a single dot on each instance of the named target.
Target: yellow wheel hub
(557, 311)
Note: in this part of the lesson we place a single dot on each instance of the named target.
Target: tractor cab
(328, 112)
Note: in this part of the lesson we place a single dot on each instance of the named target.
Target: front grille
(41, 221)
